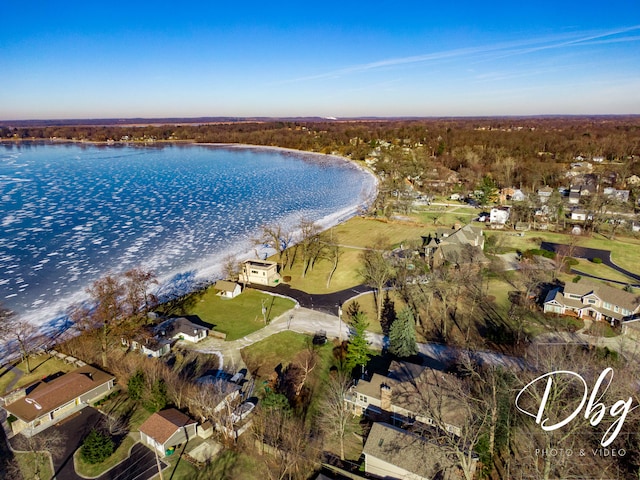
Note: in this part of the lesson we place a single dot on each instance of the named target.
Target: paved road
(589, 254)
(140, 465)
(304, 320)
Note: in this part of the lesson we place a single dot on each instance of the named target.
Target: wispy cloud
(486, 52)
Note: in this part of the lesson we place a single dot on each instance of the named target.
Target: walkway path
(17, 376)
(304, 320)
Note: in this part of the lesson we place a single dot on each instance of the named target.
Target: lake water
(70, 213)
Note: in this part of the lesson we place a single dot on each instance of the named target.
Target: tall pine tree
(358, 346)
(402, 334)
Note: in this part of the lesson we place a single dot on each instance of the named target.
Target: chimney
(385, 397)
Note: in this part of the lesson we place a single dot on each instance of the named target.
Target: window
(616, 308)
(591, 301)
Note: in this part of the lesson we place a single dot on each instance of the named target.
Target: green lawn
(41, 366)
(240, 316)
(624, 250)
(263, 357)
(94, 470)
(368, 306)
(601, 270)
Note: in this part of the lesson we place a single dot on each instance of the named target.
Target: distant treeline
(534, 149)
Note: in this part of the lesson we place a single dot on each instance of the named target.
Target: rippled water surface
(70, 213)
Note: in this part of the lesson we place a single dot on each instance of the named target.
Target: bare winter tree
(137, 283)
(334, 414)
(376, 271)
(276, 237)
(49, 441)
(23, 334)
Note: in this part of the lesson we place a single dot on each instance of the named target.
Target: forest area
(527, 152)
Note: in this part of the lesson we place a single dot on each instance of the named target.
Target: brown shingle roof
(51, 395)
(161, 425)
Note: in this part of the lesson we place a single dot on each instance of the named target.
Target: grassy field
(603, 271)
(94, 470)
(368, 306)
(41, 367)
(263, 357)
(238, 316)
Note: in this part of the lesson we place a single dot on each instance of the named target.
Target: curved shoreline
(57, 320)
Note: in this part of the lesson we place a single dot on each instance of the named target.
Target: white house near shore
(261, 272)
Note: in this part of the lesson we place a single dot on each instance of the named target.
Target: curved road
(589, 254)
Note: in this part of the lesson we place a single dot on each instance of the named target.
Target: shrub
(571, 262)
(576, 279)
(596, 260)
(97, 447)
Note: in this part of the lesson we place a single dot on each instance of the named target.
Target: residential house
(147, 341)
(45, 403)
(574, 196)
(455, 247)
(165, 430)
(227, 289)
(593, 300)
(544, 194)
(579, 215)
(261, 272)
(151, 346)
(182, 328)
(518, 196)
(409, 394)
(391, 452)
(498, 217)
(511, 194)
(618, 195)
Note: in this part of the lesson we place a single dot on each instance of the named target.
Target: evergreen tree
(157, 398)
(97, 447)
(388, 314)
(358, 346)
(135, 386)
(402, 335)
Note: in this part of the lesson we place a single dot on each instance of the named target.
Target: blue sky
(342, 59)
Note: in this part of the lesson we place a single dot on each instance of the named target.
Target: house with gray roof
(593, 300)
(455, 247)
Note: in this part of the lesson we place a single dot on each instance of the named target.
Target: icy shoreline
(206, 270)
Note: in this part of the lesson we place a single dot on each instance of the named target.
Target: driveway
(140, 465)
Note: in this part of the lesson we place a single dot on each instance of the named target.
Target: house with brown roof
(165, 430)
(47, 402)
(391, 452)
(408, 394)
(593, 300)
